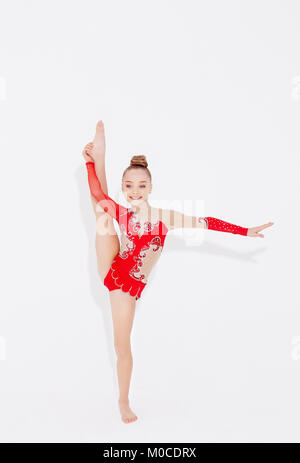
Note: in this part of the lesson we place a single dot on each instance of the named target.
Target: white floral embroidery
(129, 244)
(146, 251)
(137, 226)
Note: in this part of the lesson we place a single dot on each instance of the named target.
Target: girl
(124, 266)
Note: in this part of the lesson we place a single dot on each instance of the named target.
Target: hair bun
(139, 161)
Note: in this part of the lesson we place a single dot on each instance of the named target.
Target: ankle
(99, 162)
(123, 401)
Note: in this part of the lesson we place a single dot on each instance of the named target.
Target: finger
(266, 225)
(269, 224)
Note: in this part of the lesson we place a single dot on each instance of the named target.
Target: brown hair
(138, 162)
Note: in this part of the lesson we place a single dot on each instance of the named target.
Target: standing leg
(107, 242)
(123, 310)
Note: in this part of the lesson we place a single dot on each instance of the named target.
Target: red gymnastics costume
(139, 252)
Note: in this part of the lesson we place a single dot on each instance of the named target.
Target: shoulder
(156, 214)
(165, 216)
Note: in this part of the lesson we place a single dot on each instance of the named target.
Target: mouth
(135, 199)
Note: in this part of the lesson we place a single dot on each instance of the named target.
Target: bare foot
(98, 151)
(127, 414)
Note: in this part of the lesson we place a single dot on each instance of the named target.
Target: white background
(209, 91)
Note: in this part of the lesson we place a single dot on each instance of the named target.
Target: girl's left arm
(175, 219)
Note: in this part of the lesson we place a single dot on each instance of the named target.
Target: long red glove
(221, 225)
(114, 209)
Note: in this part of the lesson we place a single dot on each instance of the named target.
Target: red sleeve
(222, 226)
(114, 209)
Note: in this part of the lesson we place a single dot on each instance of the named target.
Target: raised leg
(107, 244)
(123, 310)
(107, 241)
(98, 154)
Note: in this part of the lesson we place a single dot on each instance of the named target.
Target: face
(136, 186)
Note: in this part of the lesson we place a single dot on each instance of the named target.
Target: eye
(143, 186)
(128, 186)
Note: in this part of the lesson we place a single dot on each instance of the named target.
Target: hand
(87, 152)
(254, 231)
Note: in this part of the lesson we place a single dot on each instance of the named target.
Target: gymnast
(124, 264)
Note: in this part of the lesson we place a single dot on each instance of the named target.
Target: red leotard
(141, 245)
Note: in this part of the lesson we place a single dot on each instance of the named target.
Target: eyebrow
(141, 181)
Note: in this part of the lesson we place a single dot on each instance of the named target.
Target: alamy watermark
(3, 348)
(183, 217)
(295, 92)
(295, 350)
(3, 88)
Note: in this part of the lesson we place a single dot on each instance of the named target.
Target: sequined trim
(203, 220)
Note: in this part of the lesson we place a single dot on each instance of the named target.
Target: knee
(122, 350)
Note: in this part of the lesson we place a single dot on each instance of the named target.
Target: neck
(142, 209)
